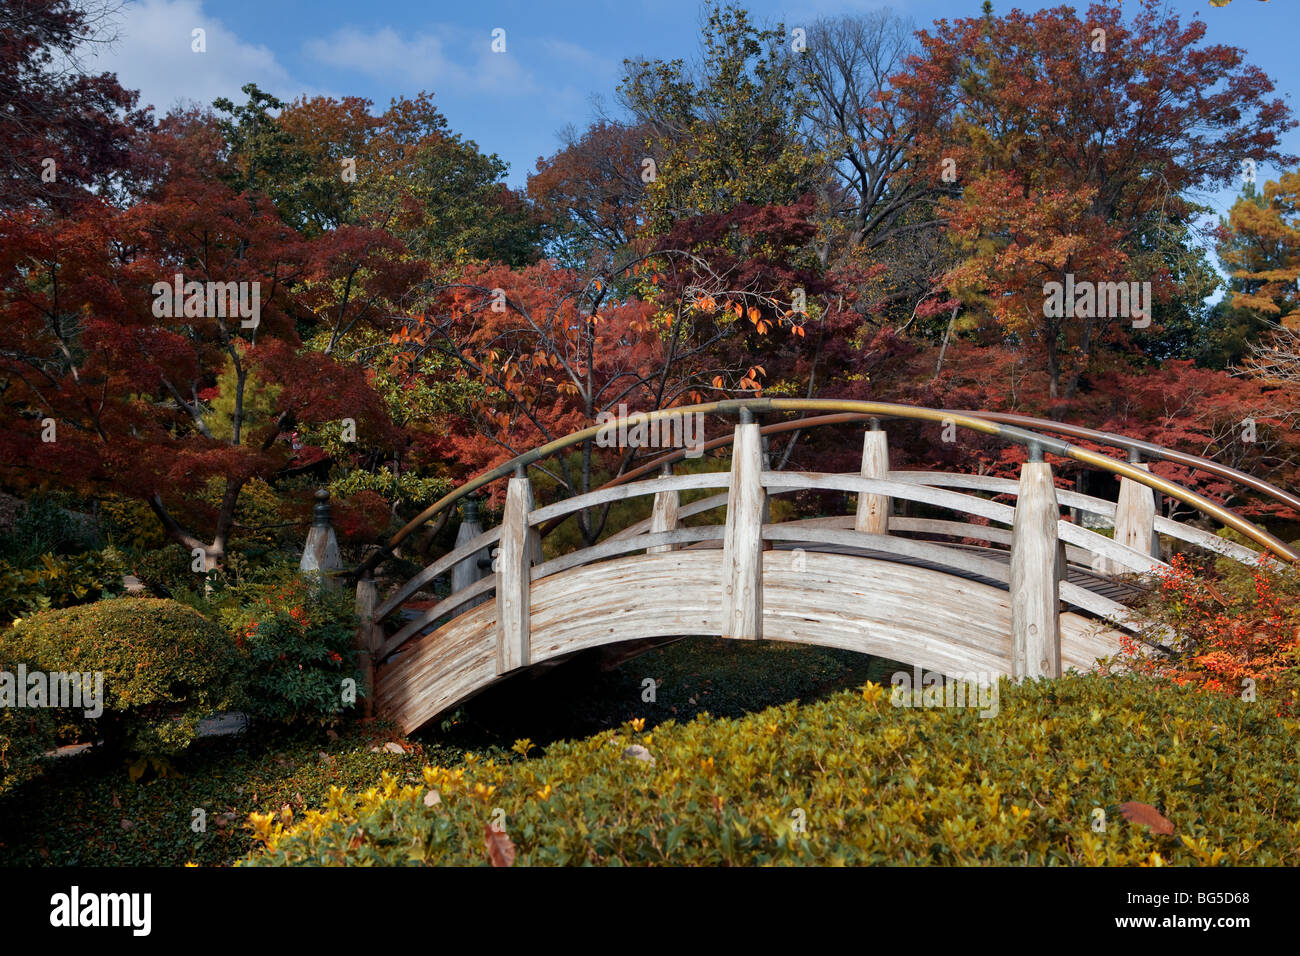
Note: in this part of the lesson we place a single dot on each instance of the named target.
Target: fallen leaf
(1146, 815)
(499, 848)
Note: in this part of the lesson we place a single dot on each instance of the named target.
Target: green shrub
(297, 638)
(25, 736)
(871, 784)
(58, 581)
(165, 666)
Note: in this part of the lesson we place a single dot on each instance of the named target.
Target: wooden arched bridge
(1040, 594)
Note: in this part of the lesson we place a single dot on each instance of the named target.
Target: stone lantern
(321, 553)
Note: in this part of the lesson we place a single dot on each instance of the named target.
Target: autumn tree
(64, 132)
(1071, 136)
(592, 191)
(103, 369)
(1261, 251)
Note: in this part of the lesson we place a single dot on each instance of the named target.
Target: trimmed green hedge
(165, 666)
(853, 780)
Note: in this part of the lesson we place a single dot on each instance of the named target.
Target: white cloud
(452, 60)
(153, 55)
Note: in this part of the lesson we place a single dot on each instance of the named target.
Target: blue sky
(558, 54)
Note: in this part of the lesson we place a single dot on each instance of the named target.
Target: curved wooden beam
(973, 422)
(938, 621)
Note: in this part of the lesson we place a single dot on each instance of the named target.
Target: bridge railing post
(1035, 574)
(516, 553)
(742, 543)
(873, 510)
(663, 515)
(1135, 518)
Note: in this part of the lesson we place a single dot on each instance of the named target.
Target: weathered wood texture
(663, 517)
(369, 637)
(925, 617)
(515, 557)
(1035, 576)
(742, 544)
(873, 510)
(1135, 516)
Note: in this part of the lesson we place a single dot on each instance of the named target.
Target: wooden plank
(514, 561)
(634, 489)
(368, 638)
(1003, 486)
(873, 510)
(1080, 502)
(446, 606)
(777, 481)
(684, 511)
(1035, 611)
(614, 547)
(742, 543)
(918, 615)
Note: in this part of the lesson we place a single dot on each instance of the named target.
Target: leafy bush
(875, 784)
(297, 638)
(165, 666)
(83, 813)
(131, 524)
(25, 735)
(58, 581)
(1232, 629)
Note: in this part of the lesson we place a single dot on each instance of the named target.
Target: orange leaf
(499, 848)
(1146, 815)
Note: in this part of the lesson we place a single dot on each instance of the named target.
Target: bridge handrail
(995, 511)
(971, 421)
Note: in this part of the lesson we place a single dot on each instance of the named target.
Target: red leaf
(1146, 815)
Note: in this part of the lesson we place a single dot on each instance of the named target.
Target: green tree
(725, 132)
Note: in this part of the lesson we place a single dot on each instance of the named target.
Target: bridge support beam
(663, 515)
(742, 543)
(1035, 576)
(515, 555)
(1135, 518)
(873, 510)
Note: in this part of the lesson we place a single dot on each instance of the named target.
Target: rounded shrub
(854, 780)
(165, 667)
